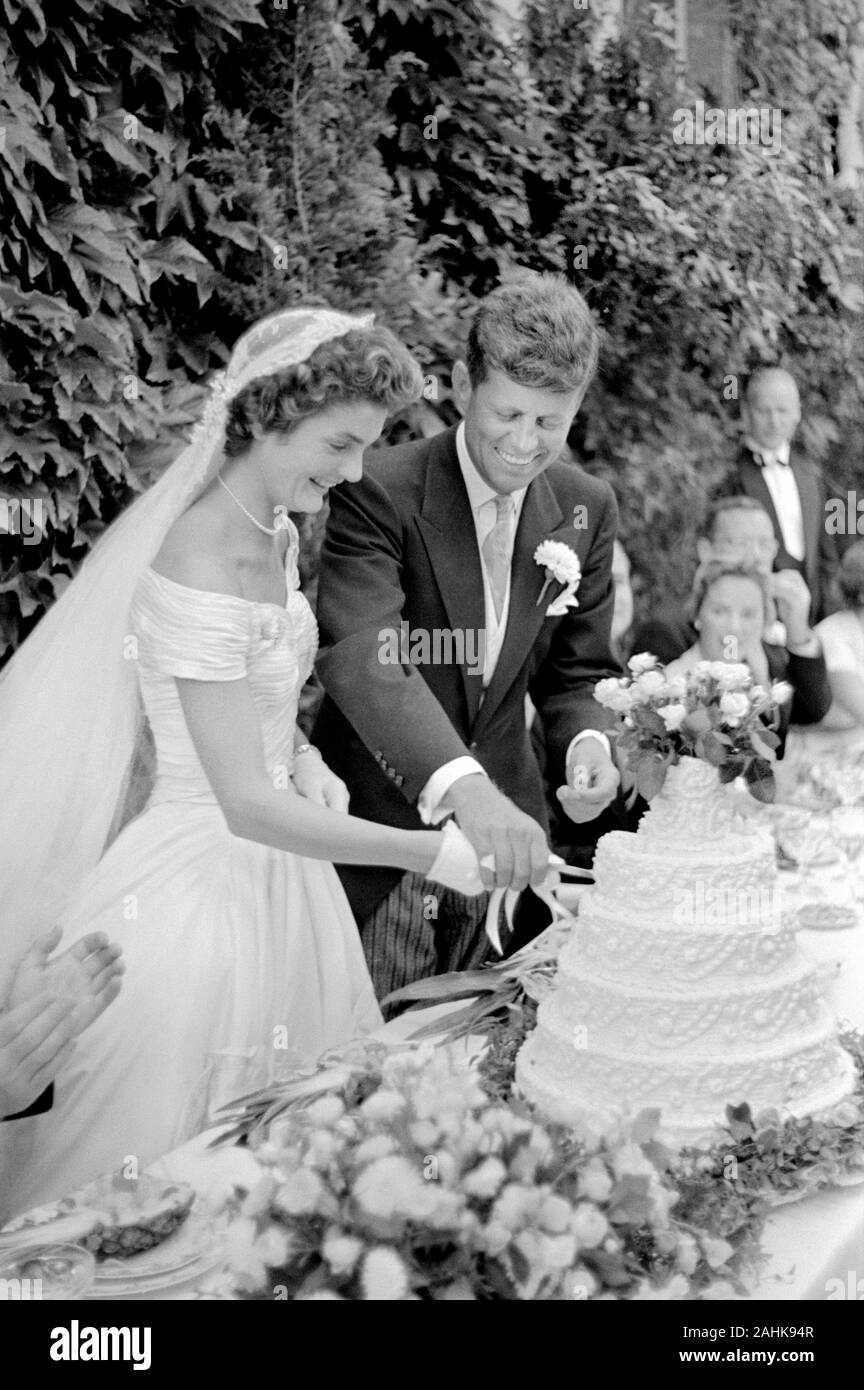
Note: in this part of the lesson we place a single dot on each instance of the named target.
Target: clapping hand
(87, 975)
(36, 1038)
(592, 781)
(45, 1004)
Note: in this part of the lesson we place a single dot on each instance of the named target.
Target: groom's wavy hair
(538, 330)
(367, 364)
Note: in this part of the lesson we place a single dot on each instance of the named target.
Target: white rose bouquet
(715, 712)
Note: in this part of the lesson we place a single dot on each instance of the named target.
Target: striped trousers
(422, 929)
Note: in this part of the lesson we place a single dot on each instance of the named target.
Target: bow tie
(765, 460)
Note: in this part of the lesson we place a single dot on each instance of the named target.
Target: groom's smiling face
(513, 432)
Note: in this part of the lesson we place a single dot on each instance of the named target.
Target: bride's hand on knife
(288, 817)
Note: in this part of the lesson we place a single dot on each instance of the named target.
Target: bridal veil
(70, 713)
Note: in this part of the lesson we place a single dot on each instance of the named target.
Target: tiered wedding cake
(679, 987)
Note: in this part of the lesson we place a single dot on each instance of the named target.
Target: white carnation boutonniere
(561, 565)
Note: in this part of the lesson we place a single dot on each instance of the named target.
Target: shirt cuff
(589, 733)
(812, 647)
(429, 802)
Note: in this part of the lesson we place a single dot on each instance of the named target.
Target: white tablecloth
(822, 1238)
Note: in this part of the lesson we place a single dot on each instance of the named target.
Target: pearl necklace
(281, 525)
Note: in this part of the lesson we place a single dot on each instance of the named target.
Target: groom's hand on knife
(495, 826)
(592, 781)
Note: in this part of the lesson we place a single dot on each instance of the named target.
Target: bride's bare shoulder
(192, 553)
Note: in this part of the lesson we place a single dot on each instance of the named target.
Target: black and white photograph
(432, 663)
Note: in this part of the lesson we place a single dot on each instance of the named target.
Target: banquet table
(809, 1243)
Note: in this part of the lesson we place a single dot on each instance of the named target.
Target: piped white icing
(680, 987)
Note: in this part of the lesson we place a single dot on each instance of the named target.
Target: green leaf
(713, 751)
(731, 769)
(650, 775)
(759, 777)
(11, 391)
(761, 746)
(696, 722)
(629, 1201)
(462, 1021)
(453, 985)
(739, 1120)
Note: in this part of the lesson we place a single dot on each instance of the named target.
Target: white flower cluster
(561, 562)
(428, 1153)
(648, 683)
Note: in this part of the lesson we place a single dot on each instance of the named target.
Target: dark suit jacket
(401, 546)
(821, 556)
(668, 635)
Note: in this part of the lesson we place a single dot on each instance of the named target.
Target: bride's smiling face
(299, 468)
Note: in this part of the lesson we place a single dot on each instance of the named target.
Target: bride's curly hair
(367, 364)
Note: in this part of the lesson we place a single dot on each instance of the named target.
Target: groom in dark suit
(788, 485)
(436, 621)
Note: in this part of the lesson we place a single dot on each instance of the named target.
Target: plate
(58, 1271)
(108, 1212)
(57, 1222)
(825, 916)
(193, 1251)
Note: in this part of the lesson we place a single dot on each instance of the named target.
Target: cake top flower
(715, 712)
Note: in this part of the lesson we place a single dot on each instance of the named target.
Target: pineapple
(136, 1214)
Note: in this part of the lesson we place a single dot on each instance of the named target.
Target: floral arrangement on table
(398, 1178)
(396, 1174)
(715, 712)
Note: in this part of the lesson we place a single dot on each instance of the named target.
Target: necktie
(498, 551)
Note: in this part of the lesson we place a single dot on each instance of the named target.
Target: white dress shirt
(781, 484)
(481, 498)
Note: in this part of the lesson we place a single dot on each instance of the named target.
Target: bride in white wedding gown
(239, 944)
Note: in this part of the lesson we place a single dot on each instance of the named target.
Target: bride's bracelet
(305, 748)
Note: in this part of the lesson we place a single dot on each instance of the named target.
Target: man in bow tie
(790, 488)
(439, 537)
